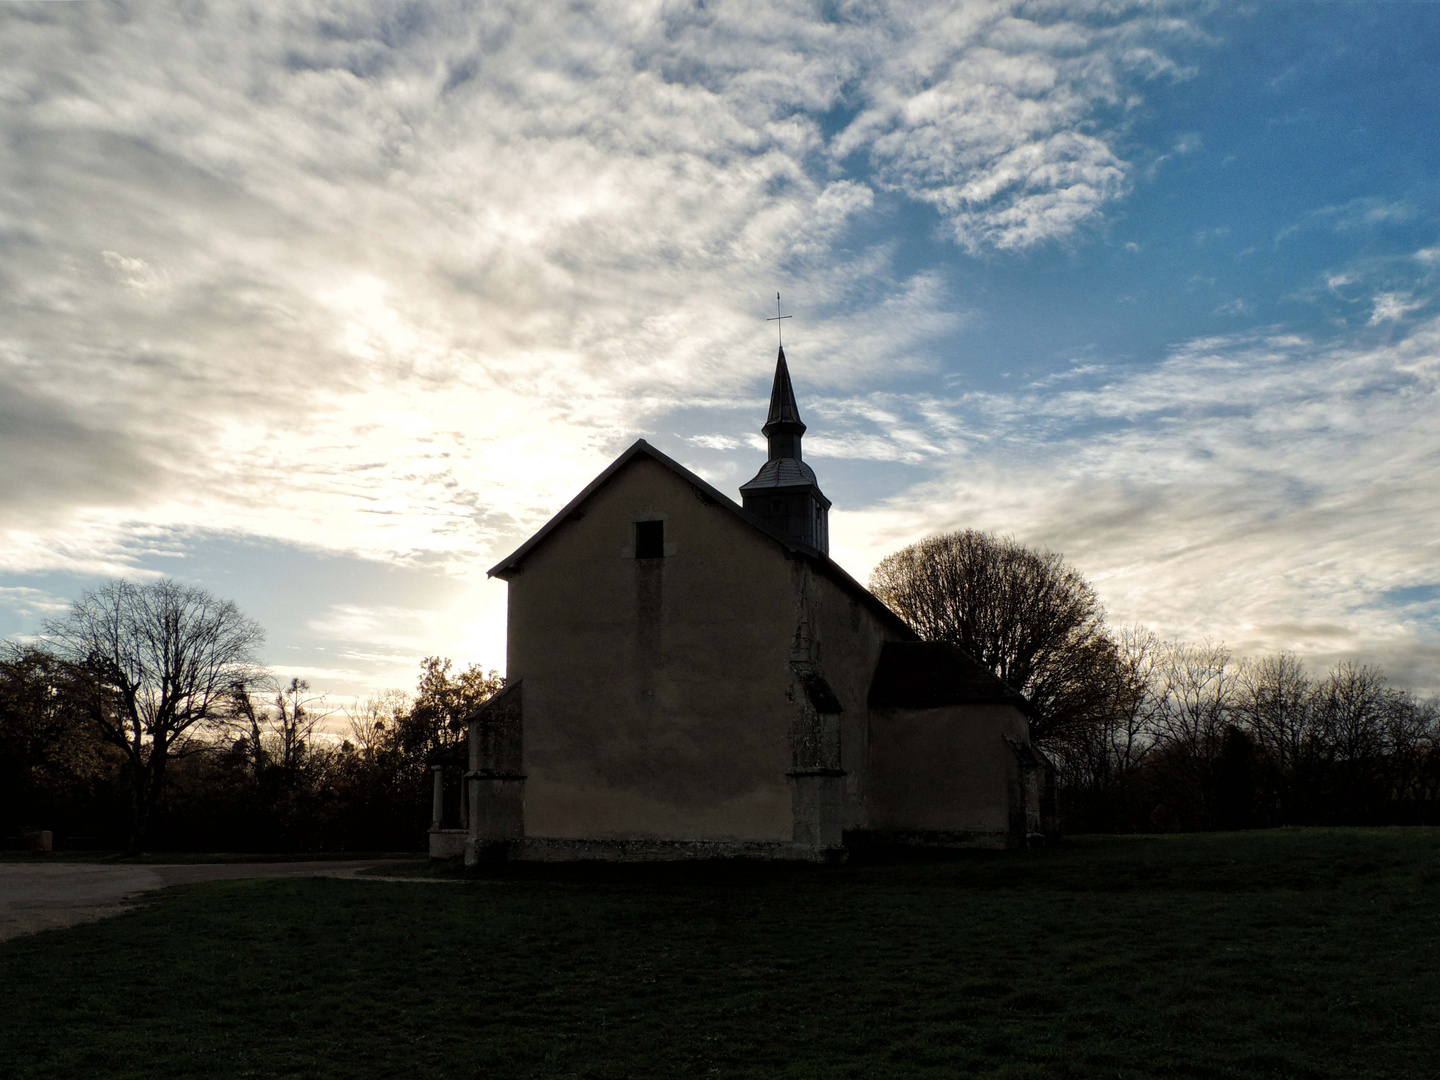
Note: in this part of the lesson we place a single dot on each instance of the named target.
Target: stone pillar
(497, 818)
(437, 800)
(816, 777)
(464, 802)
(818, 803)
(496, 780)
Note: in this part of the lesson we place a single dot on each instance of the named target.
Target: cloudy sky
(326, 308)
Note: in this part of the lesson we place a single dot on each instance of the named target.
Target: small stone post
(495, 786)
(437, 800)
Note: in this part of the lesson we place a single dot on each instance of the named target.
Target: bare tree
(1412, 735)
(278, 736)
(1102, 761)
(1352, 707)
(1026, 615)
(293, 720)
(1351, 703)
(1130, 723)
(374, 720)
(158, 666)
(1195, 725)
(1199, 700)
(1274, 700)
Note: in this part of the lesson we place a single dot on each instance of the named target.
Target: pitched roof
(783, 409)
(925, 674)
(640, 448)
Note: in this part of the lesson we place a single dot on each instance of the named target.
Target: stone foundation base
(980, 841)
(447, 843)
(556, 849)
(451, 842)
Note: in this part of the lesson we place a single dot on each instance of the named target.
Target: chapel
(687, 676)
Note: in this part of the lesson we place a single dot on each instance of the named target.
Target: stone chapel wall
(947, 773)
(654, 688)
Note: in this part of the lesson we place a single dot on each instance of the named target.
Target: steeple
(783, 427)
(785, 494)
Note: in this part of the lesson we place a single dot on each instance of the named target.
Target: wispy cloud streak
(1262, 487)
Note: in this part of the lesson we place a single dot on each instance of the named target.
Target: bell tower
(784, 493)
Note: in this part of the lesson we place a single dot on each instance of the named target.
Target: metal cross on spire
(779, 320)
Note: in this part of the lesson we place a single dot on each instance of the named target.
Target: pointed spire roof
(783, 409)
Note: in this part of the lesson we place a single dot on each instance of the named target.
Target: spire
(783, 410)
(784, 494)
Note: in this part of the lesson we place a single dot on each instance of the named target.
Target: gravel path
(44, 896)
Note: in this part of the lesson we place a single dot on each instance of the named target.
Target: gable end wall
(656, 690)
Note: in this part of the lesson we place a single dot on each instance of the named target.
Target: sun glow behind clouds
(371, 328)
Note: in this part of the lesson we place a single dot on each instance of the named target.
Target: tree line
(143, 718)
(1153, 734)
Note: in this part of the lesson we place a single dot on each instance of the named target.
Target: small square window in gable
(649, 539)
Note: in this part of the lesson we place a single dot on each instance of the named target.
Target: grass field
(1275, 954)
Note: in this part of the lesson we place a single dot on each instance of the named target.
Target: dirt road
(43, 896)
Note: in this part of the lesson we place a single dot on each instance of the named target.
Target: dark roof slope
(822, 562)
(924, 674)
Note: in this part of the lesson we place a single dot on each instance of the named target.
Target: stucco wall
(655, 689)
(849, 638)
(945, 769)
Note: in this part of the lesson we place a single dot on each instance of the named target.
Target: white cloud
(1258, 487)
(1369, 212)
(32, 602)
(136, 273)
(399, 281)
(988, 116)
(716, 442)
(332, 277)
(1390, 306)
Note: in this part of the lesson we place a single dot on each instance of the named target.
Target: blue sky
(327, 308)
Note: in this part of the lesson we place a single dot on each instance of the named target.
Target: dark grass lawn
(1275, 954)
